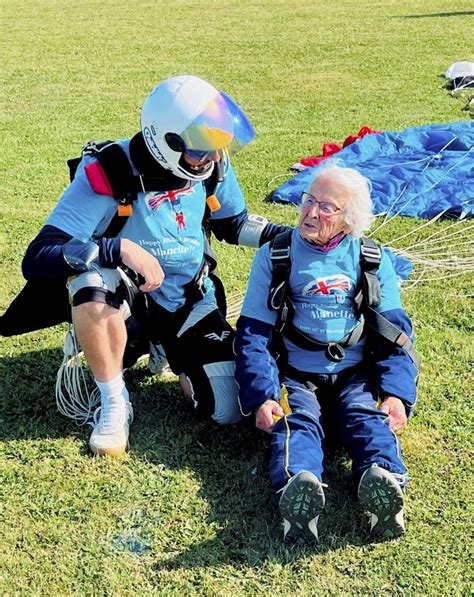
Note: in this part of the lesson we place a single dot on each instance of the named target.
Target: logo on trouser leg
(220, 338)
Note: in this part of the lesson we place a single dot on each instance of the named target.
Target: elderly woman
(314, 322)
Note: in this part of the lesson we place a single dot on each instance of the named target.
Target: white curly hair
(358, 214)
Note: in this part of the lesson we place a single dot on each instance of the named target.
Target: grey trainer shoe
(301, 503)
(379, 492)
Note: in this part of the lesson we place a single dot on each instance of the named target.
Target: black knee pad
(93, 294)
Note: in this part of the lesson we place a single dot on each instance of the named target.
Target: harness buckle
(277, 296)
(371, 255)
(282, 253)
(335, 352)
(283, 317)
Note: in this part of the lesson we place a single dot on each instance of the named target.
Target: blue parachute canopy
(418, 172)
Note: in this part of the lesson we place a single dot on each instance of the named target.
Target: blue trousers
(347, 402)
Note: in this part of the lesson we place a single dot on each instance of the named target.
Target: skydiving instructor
(129, 239)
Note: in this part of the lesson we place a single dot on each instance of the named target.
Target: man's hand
(142, 262)
(395, 410)
(264, 415)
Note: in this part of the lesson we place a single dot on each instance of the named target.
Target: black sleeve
(271, 230)
(228, 229)
(44, 257)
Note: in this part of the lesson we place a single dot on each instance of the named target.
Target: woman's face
(322, 211)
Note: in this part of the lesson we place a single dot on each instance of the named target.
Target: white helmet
(185, 114)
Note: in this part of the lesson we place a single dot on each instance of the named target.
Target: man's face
(322, 211)
(198, 163)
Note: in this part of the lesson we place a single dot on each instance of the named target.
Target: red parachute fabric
(330, 149)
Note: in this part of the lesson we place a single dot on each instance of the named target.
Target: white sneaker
(301, 503)
(380, 493)
(111, 424)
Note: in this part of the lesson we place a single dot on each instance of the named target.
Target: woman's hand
(395, 409)
(264, 415)
(142, 262)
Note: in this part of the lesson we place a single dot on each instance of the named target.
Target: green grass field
(189, 509)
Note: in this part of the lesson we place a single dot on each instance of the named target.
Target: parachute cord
(73, 398)
(433, 157)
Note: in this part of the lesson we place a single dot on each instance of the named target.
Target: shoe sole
(383, 497)
(302, 502)
(121, 451)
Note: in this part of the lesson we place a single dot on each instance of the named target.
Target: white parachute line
(422, 280)
(444, 277)
(392, 204)
(456, 263)
(467, 264)
(414, 282)
(466, 85)
(234, 304)
(428, 157)
(449, 269)
(461, 231)
(270, 182)
(418, 228)
(445, 296)
(432, 186)
(429, 258)
(73, 398)
(441, 244)
(462, 267)
(441, 258)
(440, 249)
(453, 262)
(441, 235)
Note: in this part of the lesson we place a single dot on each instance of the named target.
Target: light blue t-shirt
(323, 286)
(166, 224)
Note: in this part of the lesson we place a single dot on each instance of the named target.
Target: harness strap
(279, 300)
(194, 290)
(281, 268)
(370, 258)
(117, 168)
(125, 186)
(385, 328)
(334, 350)
(367, 298)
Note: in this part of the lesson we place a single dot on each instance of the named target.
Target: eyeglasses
(325, 207)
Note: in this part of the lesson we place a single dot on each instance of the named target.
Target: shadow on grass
(460, 13)
(230, 464)
(27, 398)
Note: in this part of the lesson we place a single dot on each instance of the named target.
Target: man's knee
(226, 392)
(93, 311)
(214, 392)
